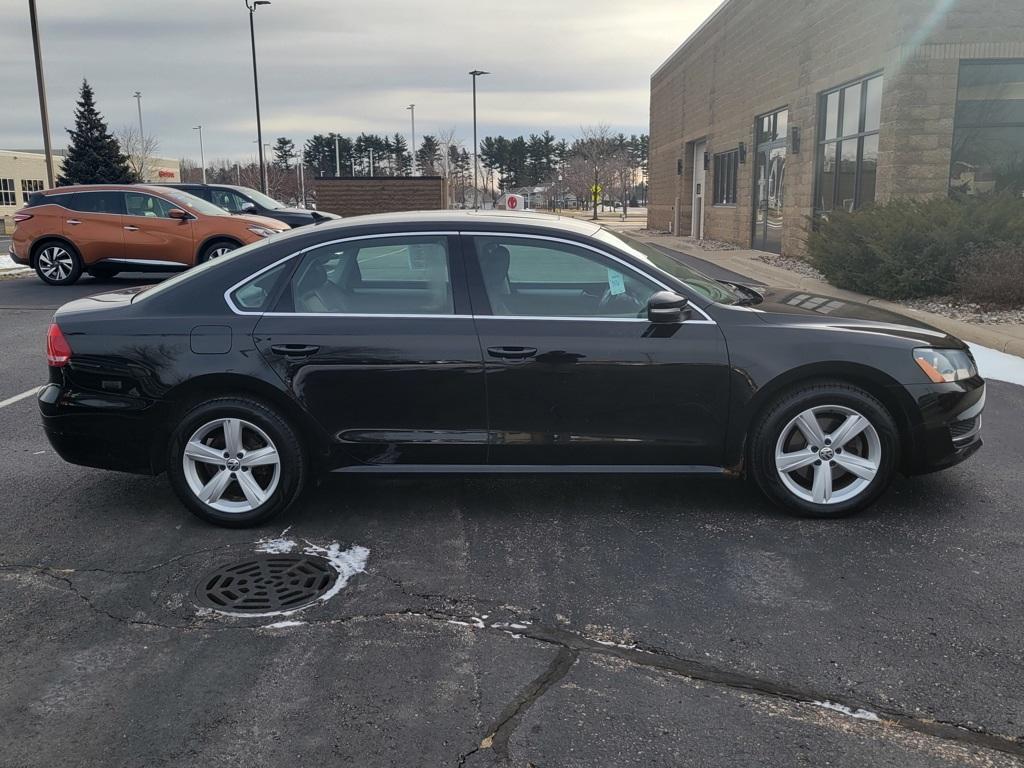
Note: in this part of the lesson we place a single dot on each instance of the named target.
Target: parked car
(106, 229)
(235, 199)
(472, 342)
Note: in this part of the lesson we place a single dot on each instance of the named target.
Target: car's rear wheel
(825, 450)
(216, 249)
(58, 264)
(235, 462)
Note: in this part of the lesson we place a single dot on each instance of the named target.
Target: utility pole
(202, 157)
(337, 155)
(412, 147)
(41, 85)
(138, 98)
(256, 88)
(593, 193)
(371, 162)
(302, 182)
(476, 193)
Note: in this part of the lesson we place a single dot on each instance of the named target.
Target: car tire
(57, 263)
(253, 483)
(215, 249)
(824, 450)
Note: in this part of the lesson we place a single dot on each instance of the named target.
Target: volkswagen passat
(467, 342)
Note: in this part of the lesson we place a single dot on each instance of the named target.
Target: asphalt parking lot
(511, 621)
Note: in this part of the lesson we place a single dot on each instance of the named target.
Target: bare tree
(139, 149)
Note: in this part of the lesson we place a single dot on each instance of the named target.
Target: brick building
(775, 111)
(357, 195)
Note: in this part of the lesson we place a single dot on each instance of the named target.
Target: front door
(699, 173)
(769, 181)
(576, 375)
(374, 338)
(151, 235)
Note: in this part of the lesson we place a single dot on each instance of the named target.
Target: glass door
(769, 181)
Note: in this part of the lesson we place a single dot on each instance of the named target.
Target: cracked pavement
(520, 622)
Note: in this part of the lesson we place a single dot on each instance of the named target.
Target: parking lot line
(16, 398)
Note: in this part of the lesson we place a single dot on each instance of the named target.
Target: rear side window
(381, 276)
(97, 202)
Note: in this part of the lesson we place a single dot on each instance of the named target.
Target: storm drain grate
(268, 583)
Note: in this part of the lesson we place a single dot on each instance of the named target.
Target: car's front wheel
(216, 249)
(235, 462)
(825, 450)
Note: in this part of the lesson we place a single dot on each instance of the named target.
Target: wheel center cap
(234, 464)
(826, 453)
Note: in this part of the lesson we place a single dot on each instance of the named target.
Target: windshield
(193, 202)
(194, 272)
(264, 201)
(706, 286)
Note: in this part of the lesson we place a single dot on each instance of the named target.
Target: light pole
(41, 85)
(202, 157)
(256, 88)
(476, 193)
(371, 162)
(138, 99)
(337, 155)
(412, 148)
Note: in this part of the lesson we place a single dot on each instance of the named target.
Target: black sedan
(237, 199)
(456, 342)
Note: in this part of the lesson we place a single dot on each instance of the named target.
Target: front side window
(379, 276)
(988, 130)
(726, 169)
(542, 278)
(7, 196)
(111, 202)
(141, 204)
(847, 162)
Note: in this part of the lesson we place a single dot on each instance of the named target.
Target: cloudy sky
(338, 65)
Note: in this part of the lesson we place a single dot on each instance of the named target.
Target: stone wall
(355, 196)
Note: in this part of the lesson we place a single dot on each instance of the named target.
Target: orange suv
(106, 229)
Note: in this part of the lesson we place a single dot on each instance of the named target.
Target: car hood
(262, 221)
(785, 306)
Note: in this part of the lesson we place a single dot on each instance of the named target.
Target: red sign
(163, 173)
(513, 201)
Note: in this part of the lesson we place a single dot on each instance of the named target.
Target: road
(515, 621)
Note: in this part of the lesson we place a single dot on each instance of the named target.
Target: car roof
(459, 218)
(101, 188)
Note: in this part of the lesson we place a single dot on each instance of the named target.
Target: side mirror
(667, 307)
(177, 213)
(248, 208)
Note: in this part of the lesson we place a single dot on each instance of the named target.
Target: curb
(737, 261)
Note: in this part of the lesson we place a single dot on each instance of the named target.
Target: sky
(337, 65)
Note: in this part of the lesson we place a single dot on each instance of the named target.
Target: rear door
(375, 339)
(95, 224)
(576, 375)
(151, 235)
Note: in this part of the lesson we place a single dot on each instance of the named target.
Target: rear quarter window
(257, 294)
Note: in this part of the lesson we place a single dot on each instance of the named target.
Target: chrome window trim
(571, 318)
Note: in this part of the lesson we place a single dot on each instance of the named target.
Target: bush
(992, 274)
(911, 248)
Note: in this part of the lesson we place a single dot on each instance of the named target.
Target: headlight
(262, 231)
(943, 365)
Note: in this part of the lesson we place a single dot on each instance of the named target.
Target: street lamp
(412, 148)
(202, 157)
(138, 98)
(476, 196)
(41, 85)
(256, 88)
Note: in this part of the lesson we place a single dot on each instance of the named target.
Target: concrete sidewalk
(1007, 338)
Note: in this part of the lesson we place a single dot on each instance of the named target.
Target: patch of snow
(993, 364)
(860, 714)
(474, 621)
(277, 546)
(284, 624)
(610, 644)
(7, 263)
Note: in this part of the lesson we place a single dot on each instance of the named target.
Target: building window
(726, 169)
(28, 186)
(7, 193)
(988, 130)
(848, 120)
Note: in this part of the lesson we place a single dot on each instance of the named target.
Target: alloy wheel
(56, 263)
(220, 251)
(231, 465)
(828, 454)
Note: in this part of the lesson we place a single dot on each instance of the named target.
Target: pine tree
(94, 156)
(284, 153)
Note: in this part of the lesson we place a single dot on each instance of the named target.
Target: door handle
(512, 353)
(74, 221)
(294, 350)
(132, 229)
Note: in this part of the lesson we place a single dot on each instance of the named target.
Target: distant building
(777, 111)
(23, 171)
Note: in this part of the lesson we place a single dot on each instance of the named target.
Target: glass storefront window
(988, 132)
(847, 162)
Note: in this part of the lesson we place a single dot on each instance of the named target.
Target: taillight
(58, 351)
(22, 217)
